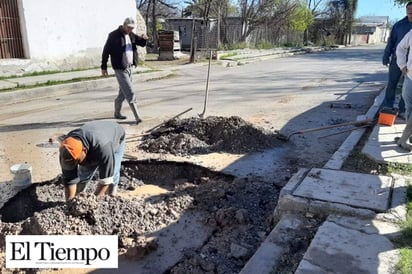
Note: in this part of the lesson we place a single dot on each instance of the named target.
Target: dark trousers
(394, 77)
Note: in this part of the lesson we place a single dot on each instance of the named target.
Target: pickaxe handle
(164, 122)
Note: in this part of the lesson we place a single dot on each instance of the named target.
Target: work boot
(407, 132)
(133, 107)
(119, 116)
(117, 108)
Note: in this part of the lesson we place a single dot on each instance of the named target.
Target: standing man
(404, 61)
(121, 45)
(97, 145)
(389, 58)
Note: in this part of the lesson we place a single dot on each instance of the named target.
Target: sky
(380, 8)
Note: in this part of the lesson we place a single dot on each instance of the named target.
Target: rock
(141, 247)
(238, 251)
(242, 216)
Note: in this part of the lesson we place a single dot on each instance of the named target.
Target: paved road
(286, 93)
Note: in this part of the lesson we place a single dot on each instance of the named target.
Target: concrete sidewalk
(24, 88)
(362, 212)
(151, 70)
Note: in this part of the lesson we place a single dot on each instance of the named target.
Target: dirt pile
(212, 134)
(88, 215)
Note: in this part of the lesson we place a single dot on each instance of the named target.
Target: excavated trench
(153, 195)
(236, 211)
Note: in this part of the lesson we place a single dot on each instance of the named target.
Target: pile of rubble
(212, 134)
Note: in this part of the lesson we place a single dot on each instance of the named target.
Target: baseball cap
(130, 22)
(70, 151)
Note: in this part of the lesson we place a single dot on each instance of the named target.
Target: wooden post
(193, 43)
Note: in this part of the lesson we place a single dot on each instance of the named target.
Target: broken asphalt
(363, 212)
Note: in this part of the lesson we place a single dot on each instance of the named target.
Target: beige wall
(379, 36)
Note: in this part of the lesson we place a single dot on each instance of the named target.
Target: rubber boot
(117, 108)
(407, 132)
(133, 107)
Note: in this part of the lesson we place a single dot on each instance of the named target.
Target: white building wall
(61, 29)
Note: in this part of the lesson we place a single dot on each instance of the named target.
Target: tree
(153, 9)
(198, 8)
(400, 2)
(218, 9)
(350, 10)
(315, 6)
(272, 13)
(341, 13)
(301, 18)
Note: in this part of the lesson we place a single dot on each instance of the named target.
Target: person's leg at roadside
(118, 105)
(118, 156)
(101, 189)
(70, 191)
(390, 93)
(407, 132)
(124, 77)
(401, 104)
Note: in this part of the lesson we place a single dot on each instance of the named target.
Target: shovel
(207, 87)
(283, 137)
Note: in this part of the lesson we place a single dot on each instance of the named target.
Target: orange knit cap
(73, 146)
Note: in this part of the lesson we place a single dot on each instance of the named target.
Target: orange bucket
(387, 117)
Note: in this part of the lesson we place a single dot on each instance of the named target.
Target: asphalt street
(275, 94)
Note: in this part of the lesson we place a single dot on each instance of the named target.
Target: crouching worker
(97, 145)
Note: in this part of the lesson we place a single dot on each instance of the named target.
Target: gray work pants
(124, 78)
(407, 97)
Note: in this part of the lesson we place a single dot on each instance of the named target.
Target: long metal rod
(86, 186)
(303, 131)
(343, 131)
(207, 87)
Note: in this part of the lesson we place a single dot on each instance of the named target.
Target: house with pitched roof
(370, 30)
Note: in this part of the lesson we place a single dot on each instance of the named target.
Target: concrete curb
(143, 74)
(339, 157)
(244, 58)
(268, 255)
(23, 95)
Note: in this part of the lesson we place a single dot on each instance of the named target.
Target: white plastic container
(22, 175)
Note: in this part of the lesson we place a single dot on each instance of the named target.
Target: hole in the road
(149, 185)
(33, 199)
(192, 198)
(184, 206)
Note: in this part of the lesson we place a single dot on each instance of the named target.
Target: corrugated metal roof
(374, 19)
